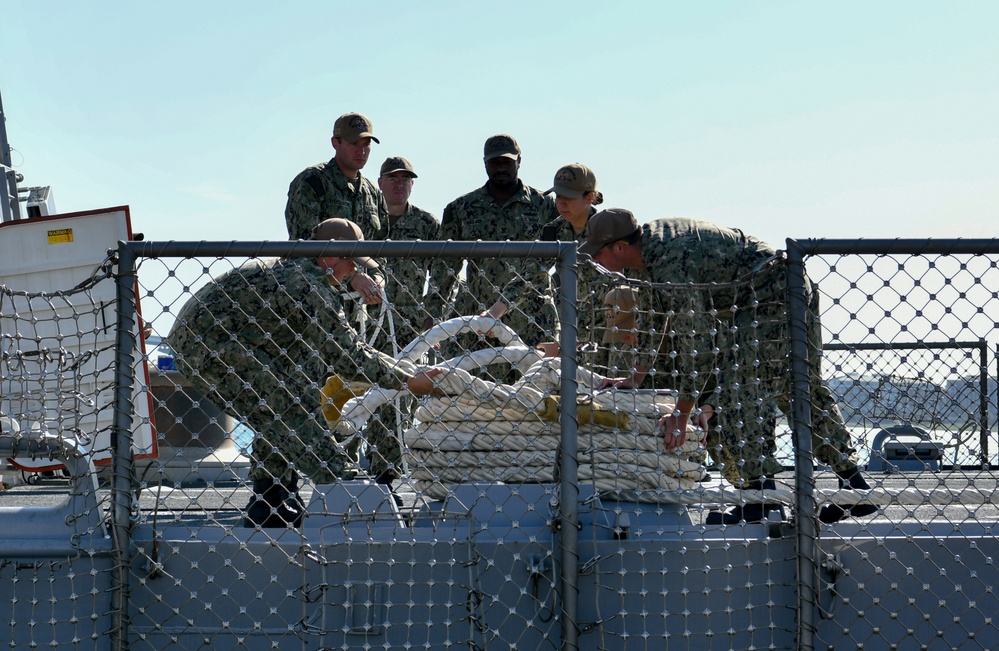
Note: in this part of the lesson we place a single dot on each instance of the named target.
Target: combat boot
(750, 512)
(274, 505)
(848, 480)
(386, 478)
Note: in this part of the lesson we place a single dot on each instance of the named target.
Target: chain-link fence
(306, 493)
(908, 329)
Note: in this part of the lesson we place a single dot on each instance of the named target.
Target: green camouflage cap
(394, 164)
(575, 180)
(343, 229)
(501, 145)
(606, 227)
(352, 127)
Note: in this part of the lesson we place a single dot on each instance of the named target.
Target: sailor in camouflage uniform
(518, 290)
(405, 279)
(336, 188)
(576, 194)
(260, 341)
(727, 345)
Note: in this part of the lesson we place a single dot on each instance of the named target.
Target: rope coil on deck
(486, 431)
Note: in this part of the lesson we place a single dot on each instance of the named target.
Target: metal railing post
(801, 427)
(569, 464)
(121, 433)
(983, 400)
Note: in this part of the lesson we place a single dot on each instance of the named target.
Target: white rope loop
(487, 431)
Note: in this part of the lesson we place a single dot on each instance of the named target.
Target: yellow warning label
(61, 235)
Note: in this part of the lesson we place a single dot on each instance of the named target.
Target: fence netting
(57, 361)
(300, 494)
(910, 341)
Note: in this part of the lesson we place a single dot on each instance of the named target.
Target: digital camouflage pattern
(602, 351)
(260, 341)
(405, 278)
(591, 284)
(727, 343)
(360, 201)
(522, 283)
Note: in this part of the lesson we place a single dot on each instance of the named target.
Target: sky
(784, 119)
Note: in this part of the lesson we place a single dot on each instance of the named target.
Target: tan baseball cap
(394, 164)
(501, 145)
(574, 181)
(607, 226)
(343, 229)
(352, 127)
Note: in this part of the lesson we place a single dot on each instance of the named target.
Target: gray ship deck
(222, 502)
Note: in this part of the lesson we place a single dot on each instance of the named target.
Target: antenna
(10, 209)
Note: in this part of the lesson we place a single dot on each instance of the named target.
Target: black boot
(294, 499)
(848, 480)
(385, 478)
(751, 512)
(274, 506)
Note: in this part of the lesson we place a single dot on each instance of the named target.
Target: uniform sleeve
(534, 276)
(683, 332)
(327, 329)
(430, 231)
(383, 216)
(431, 227)
(444, 271)
(532, 279)
(360, 359)
(369, 210)
(679, 341)
(551, 211)
(303, 210)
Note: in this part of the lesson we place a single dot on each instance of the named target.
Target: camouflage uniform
(260, 341)
(728, 345)
(322, 192)
(592, 286)
(588, 279)
(523, 283)
(405, 277)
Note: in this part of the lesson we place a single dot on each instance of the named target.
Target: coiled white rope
(486, 431)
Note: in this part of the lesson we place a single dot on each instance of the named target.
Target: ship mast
(10, 209)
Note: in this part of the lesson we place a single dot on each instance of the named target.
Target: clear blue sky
(845, 119)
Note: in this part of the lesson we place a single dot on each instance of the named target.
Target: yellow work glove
(585, 414)
(336, 393)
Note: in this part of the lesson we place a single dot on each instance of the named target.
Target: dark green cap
(606, 227)
(501, 145)
(394, 164)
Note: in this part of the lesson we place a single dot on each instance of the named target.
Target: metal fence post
(983, 400)
(569, 466)
(801, 427)
(121, 465)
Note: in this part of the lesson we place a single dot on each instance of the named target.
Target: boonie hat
(343, 229)
(607, 226)
(501, 145)
(352, 127)
(394, 164)
(574, 181)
